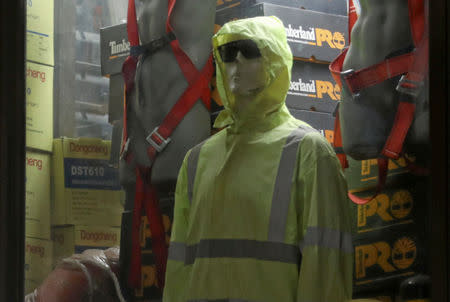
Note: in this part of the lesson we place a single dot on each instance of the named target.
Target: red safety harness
(414, 68)
(145, 194)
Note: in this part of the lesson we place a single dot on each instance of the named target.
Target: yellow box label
(87, 189)
(97, 236)
(38, 259)
(37, 196)
(68, 240)
(40, 28)
(39, 109)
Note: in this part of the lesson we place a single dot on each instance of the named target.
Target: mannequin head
(244, 70)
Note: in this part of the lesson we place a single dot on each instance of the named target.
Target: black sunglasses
(228, 52)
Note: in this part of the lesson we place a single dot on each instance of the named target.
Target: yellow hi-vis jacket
(261, 213)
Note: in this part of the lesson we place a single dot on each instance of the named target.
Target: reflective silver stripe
(282, 190)
(323, 237)
(235, 248)
(177, 251)
(192, 169)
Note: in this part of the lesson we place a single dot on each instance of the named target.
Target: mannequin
(382, 29)
(160, 82)
(248, 197)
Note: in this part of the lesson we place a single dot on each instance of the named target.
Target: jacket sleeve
(324, 225)
(176, 271)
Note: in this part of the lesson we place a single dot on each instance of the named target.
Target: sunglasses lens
(228, 53)
(248, 48)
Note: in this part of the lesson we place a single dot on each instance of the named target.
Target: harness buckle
(344, 74)
(158, 146)
(409, 87)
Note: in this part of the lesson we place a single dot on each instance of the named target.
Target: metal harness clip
(413, 89)
(151, 141)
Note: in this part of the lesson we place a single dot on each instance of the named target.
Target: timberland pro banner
(311, 35)
(402, 204)
(312, 88)
(114, 48)
(383, 259)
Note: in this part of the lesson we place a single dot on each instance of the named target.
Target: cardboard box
(40, 31)
(86, 188)
(312, 88)
(311, 35)
(363, 175)
(222, 4)
(38, 262)
(37, 195)
(114, 47)
(39, 110)
(323, 122)
(69, 240)
(382, 260)
(399, 205)
(336, 7)
(116, 95)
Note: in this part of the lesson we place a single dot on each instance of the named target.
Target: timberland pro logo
(119, 49)
(146, 234)
(315, 89)
(315, 36)
(399, 206)
(35, 250)
(98, 236)
(33, 162)
(369, 166)
(80, 148)
(389, 259)
(36, 74)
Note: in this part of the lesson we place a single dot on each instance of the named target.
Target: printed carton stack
(39, 135)
(389, 242)
(87, 199)
(315, 38)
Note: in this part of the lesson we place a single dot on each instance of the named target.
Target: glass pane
(78, 199)
(74, 200)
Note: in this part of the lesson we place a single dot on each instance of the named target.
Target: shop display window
(76, 198)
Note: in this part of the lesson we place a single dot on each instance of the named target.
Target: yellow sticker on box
(37, 195)
(68, 240)
(39, 106)
(38, 259)
(40, 31)
(87, 189)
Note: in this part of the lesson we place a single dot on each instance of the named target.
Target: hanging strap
(146, 199)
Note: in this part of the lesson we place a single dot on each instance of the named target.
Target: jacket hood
(268, 106)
